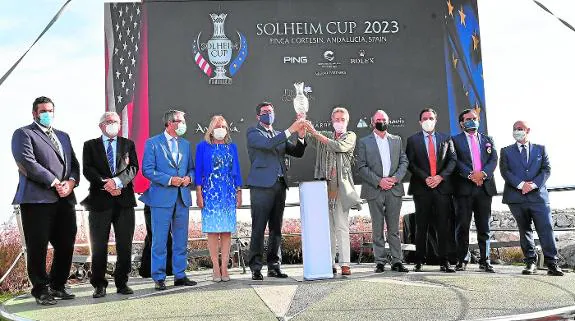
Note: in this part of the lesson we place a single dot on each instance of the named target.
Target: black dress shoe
(63, 294)
(334, 270)
(99, 292)
(418, 267)
(447, 268)
(45, 299)
(257, 276)
(184, 282)
(530, 268)
(487, 268)
(126, 290)
(399, 267)
(461, 266)
(379, 268)
(553, 269)
(276, 273)
(160, 285)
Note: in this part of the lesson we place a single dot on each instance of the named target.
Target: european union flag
(241, 57)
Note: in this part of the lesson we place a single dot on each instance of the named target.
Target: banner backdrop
(225, 57)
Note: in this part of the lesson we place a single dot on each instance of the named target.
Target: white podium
(316, 245)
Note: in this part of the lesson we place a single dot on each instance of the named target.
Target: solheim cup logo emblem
(220, 50)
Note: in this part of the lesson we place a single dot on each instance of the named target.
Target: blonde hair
(213, 122)
(341, 110)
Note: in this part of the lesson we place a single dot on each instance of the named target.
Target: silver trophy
(300, 101)
(219, 50)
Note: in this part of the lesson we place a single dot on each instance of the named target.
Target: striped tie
(50, 133)
(110, 156)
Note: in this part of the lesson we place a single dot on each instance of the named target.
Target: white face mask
(220, 133)
(112, 129)
(428, 125)
(181, 129)
(340, 127)
(519, 135)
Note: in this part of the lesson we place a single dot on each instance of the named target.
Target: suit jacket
(267, 154)
(419, 163)
(370, 168)
(158, 166)
(514, 171)
(96, 169)
(463, 186)
(39, 163)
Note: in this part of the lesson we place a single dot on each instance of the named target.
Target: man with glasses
(169, 166)
(110, 164)
(267, 149)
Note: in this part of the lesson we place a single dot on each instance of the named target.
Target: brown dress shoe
(345, 270)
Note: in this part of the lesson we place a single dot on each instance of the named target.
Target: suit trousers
(540, 214)
(123, 220)
(478, 205)
(163, 218)
(432, 209)
(146, 262)
(54, 223)
(339, 234)
(267, 206)
(385, 209)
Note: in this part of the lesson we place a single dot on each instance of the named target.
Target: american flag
(127, 72)
(202, 63)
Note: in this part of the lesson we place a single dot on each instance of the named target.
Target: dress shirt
(426, 141)
(384, 153)
(527, 146)
(45, 131)
(105, 140)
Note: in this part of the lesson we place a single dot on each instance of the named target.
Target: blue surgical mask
(267, 119)
(471, 125)
(46, 118)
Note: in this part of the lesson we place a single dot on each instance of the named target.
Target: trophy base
(220, 81)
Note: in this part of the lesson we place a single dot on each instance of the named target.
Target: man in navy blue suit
(48, 173)
(473, 187)
(267, 149)
(431, 161)
(525, 169)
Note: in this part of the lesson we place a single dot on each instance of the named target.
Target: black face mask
(381, 126)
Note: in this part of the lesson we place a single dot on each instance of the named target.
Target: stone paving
(429, 295)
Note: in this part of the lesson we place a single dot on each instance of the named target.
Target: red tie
(432, 160)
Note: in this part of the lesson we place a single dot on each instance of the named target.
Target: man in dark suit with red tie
(431, 161)
(110, 164)
(474, 187)
(49, 172)
(525, 169)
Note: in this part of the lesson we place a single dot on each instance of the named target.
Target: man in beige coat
(333, 162)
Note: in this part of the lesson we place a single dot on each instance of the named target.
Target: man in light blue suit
(169, 166)
(525, 169)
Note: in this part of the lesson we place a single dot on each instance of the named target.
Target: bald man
(525, 169)
(382, 164)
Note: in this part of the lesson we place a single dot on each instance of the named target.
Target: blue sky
(528, 59)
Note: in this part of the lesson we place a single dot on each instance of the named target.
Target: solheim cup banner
(225, 57)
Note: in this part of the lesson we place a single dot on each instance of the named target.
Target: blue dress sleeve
(236, 167)
(200, 149)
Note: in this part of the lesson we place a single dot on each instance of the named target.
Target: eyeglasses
(266, 112)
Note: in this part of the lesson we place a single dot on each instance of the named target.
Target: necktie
(52, 137)
(476, 155)
(432, 158)
(524, 153)
(174, 147)
(110, 156)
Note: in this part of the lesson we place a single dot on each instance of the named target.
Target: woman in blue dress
(218, 191)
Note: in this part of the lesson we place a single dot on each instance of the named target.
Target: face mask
(381, 126)
(46, 118)
(220, 133)
(519, 135)
(471, 125)
(181, 129)
(428, 125)
(267, 119)
(112, 129)
(340, 127)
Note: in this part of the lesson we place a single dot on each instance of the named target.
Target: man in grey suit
(382, 164)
